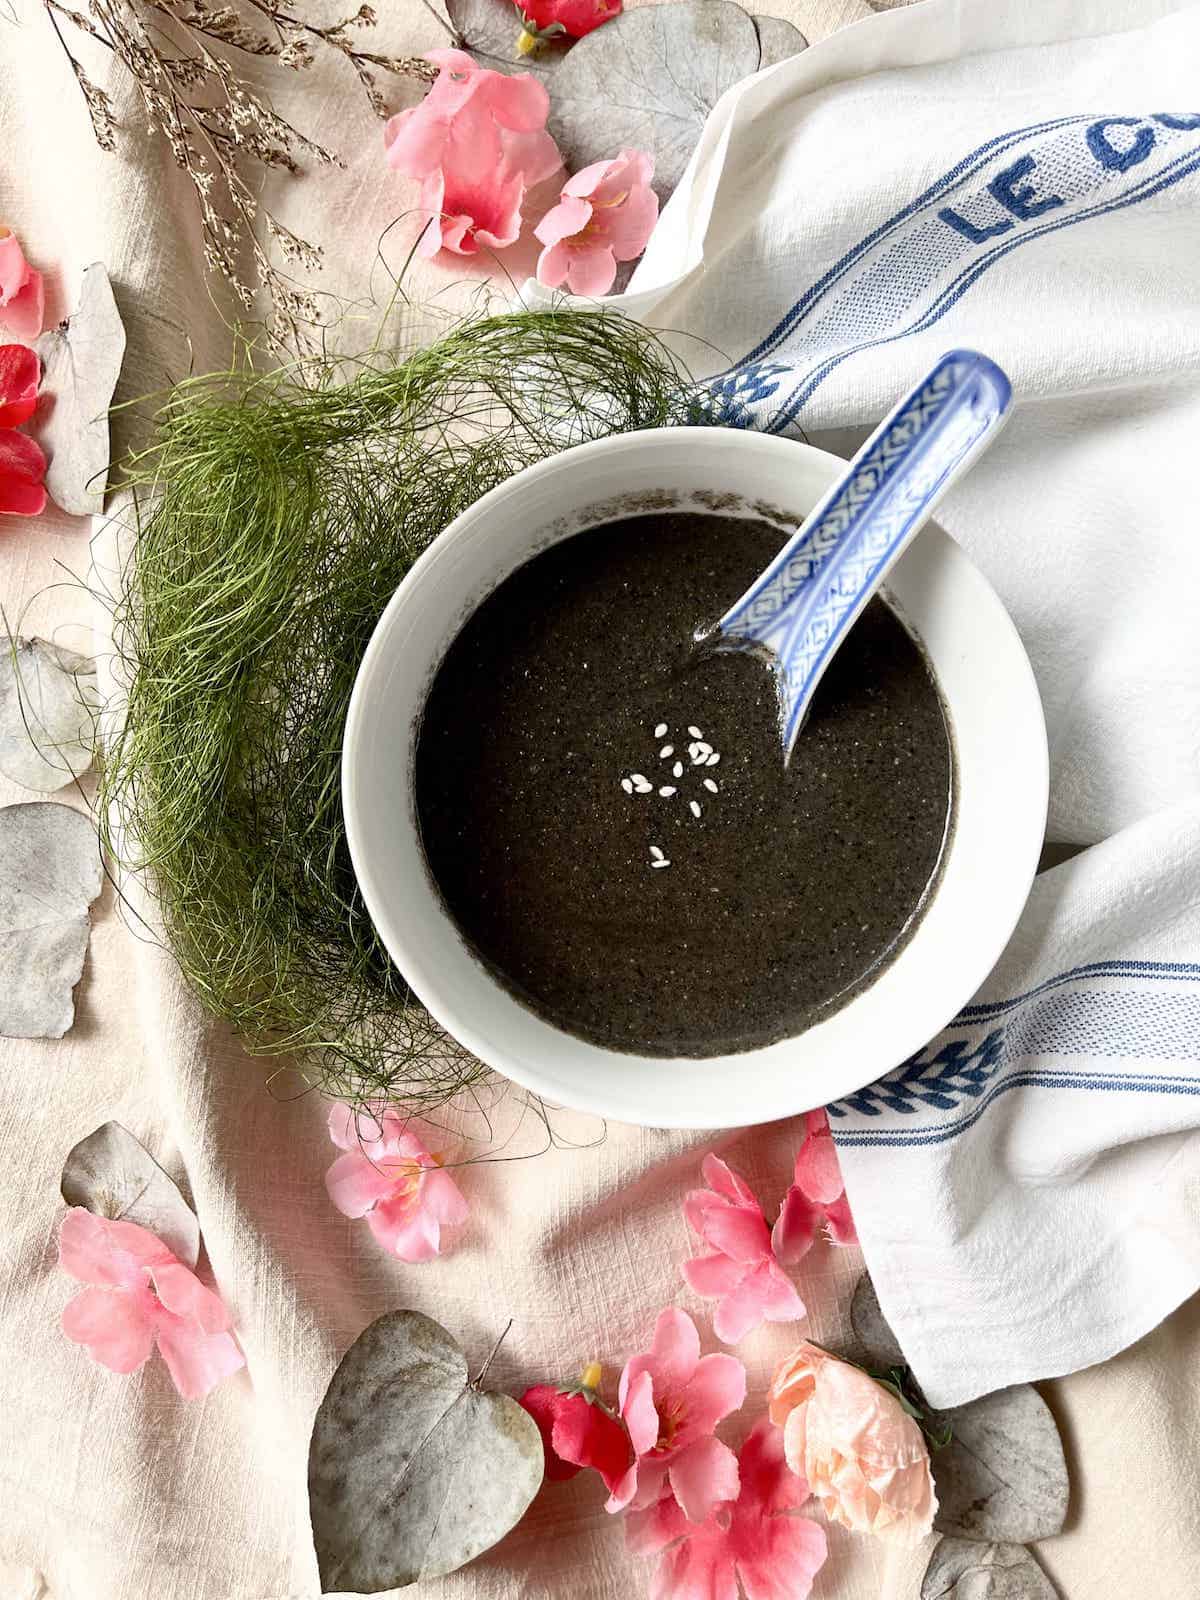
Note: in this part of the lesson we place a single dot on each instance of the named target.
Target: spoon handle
(802, 607)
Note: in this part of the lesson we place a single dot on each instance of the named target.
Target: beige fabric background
(114, 1489)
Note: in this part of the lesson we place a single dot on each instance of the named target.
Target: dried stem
(220, 128)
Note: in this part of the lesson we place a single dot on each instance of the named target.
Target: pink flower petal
(641, 1417)
(22, 470)
(723, 1180)
(97, 1250)
(20, 371)
(784, 1564)
(553, 265)
(651, 1530)
(795, 1228)
(624, 1491)
(633, 223)
(22, 293)
(672, 1357)
(181, 1291)
(703, 1475)
(110, 1324)
(764, 1294)
(355, 1184)
(841, 1223)
(587, 181)
(519, 103)
(713, 1276)
(407, 1231)
(817, 1173)
(717, 1388)
(592, 270)
(739, 1231)
(443, 1197)
(561, 221)
(766, 1480)
(780, 1301)
(197, 1361)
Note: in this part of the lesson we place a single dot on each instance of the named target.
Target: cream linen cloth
(113, 1488)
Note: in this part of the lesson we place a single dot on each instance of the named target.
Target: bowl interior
(1001, 773)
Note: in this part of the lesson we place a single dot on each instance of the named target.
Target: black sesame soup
(607, 816)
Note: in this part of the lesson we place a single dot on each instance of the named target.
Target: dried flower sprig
(219, 127)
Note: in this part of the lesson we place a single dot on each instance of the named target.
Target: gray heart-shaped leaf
(1003, 1476)
(412, 1469)
(647, 81)
(81, 362)
(777, 40)
(113, 1174)
(48, 707)
(871, 1329)
(961, 1570)
(49, 876)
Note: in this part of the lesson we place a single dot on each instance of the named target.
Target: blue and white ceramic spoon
(803, 606)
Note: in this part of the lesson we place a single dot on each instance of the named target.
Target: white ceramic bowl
(1001, 767)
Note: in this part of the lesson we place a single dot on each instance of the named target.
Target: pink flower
(817, 1195)
(757, 1539)
(388, 1176)
(544, 19)
(577, 1431)
(22, 295)
(671, 1401)
(605, 214)
(741, 1272)
(477, 142)
(22, 464)
(141, 1296)
(863, 1456)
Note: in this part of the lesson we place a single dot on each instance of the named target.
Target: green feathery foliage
(274, 517)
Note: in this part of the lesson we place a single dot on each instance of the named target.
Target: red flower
(577, 1431)
(22, 464)
(545, 19)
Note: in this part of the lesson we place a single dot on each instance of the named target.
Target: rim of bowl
(744, 1108)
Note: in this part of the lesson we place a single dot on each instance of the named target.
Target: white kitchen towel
(1022, 179)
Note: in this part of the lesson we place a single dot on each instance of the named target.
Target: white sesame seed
(666, 751)
(627, 785)
(695, 732)
(694, 807)
(711, 761)
(667, 791)
(660, 863)
(657, 853)
(660, 731)
(677, 769)
(710, 785)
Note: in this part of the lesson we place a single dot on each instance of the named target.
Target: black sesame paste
(608, 870)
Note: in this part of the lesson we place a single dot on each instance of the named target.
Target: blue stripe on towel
(1150, 1020)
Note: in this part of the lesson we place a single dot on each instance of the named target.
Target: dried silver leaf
(113, 1174)
(48, 707)
(961, 1570)
(1003, 1476)
(777, 40)
(647, 80)
(412, 1469)
(49, 876)
(81, 362)
(871, 1329)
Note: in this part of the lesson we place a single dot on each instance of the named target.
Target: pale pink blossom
(671, 1401)
(741, 1272)
(605, 214)
(389, 1176)
(477, 143)
(862, 1455)
(756, 1538)
(22, 294)
(138, 1296)
(817, 1195)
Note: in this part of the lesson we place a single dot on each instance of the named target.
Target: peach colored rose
(864, 1457)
